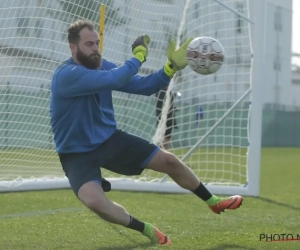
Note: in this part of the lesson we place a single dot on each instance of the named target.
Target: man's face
(87, 51)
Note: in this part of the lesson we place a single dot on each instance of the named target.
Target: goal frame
(251, 188)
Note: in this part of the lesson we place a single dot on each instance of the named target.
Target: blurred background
(37, 34)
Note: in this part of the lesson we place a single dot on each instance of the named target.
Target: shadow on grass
(128, 237)
(126, 247)
(230, 247)
(278, 203)
(258, 198)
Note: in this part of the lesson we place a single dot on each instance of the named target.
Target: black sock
(136, 224)
(202, 192)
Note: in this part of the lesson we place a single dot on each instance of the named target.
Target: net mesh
(33, 42)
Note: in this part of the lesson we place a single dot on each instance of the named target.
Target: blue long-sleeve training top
(81, 109)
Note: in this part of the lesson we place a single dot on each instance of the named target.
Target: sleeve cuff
(136, 62)
(169, 71)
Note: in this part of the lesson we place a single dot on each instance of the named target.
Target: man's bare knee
(166, 162)
(92, 196)
(175, 166)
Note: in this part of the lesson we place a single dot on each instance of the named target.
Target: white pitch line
(42, 212)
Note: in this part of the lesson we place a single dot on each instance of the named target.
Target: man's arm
(146, 85)
(154, 82)
(75, 80)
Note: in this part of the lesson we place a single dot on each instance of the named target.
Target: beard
(93, 61)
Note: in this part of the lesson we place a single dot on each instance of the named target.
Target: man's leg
(93, 197)
(136, 154)
(84, 174)
(166, 162)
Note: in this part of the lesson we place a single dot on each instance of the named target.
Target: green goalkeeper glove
(176, 58)
(140, 47)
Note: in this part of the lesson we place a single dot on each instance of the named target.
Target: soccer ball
(205, 55)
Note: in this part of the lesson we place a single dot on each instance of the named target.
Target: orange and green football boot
(218, 205)
(156, 236)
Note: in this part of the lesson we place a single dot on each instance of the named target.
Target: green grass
(57, 220)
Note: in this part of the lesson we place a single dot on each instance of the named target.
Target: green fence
(25, 120)
(142, 120)
(281, 126)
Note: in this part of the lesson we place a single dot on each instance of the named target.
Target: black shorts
(122, 153)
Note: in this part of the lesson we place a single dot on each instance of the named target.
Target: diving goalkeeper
(86, 134)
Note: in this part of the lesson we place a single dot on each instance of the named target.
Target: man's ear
(73, 47)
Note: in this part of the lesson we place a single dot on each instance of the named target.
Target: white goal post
(223, 147)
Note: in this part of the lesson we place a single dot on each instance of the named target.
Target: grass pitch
(57, 220)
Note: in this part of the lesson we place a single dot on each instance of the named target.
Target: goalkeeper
(86, 134)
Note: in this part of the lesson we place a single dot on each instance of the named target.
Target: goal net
(211, 134)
